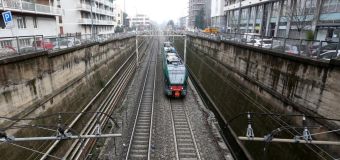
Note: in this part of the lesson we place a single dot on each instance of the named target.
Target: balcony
(244, 4)
(87, 7)
(88, 21)
(28, 7)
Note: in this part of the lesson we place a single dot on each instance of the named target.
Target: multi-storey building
(30, 17)
(183, 22)
(217, 14)
(86, 15)
(284, 18)
(119, 16)
(140, 21)
(194, 8)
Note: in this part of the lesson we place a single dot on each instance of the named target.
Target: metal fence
(323, 50)
(27, 44)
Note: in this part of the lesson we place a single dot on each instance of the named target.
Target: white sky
(158, 10)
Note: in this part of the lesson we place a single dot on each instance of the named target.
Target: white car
(330, 55)
(265, 43)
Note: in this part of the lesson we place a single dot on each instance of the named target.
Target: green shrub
(310, 35)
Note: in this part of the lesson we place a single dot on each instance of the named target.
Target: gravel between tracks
(210, 143)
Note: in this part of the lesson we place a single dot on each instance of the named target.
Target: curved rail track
(80, 148)
(140, 141)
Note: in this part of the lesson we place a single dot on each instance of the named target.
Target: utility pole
(92, 32)
(137, 60)
(185, 50)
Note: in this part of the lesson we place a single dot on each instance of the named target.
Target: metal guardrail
(30, 7)
(321, 50)
(10, 46)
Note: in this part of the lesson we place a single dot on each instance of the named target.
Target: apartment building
(194, 8)
(217, 14)
(81, 16)
(30, 17)
(285, 18)
(141, 21)
(183, 22)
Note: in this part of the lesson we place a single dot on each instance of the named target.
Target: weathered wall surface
(35, 83)
(307, 85)
(240, 79)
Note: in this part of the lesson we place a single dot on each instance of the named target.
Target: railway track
(140, 141)
(184, 139)
(80, 148)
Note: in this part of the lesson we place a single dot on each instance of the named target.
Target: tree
(199, 19)
(119, 29)
(299, 15)
(170, 24)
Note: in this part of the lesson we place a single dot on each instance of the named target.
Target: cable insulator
(250, 131)
(307, 135)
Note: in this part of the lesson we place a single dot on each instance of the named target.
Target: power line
(16, 145)
(261, 107)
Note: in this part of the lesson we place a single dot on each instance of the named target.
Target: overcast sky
(158, 10)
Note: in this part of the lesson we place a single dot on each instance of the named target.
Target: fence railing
(31, 7)
(324, 50)
(10, 46)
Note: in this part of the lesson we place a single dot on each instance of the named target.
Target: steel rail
(140, 105)
(111, 99)
(184, 138)
(76, 148)
(89, 104)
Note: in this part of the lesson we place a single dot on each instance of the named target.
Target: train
(175, 73)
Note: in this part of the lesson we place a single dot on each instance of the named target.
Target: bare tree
(300, 15)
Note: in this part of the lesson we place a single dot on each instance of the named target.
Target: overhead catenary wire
(23, 147)
(261, 107)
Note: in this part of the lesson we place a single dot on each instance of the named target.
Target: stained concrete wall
(36, 82)
(307, 85)
(239, 79)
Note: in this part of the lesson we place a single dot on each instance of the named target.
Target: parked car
(66, 43)
(289, 49)
(7, 50)
(325, 48)
(264, 43)
(43, 44)
(330, 55)
(247, 37)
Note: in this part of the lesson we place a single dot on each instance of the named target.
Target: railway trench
(162, 128)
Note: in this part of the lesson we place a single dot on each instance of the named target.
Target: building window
(21, 22)
(35, 22)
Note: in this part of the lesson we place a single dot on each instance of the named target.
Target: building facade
(194, 8)
(284, 18)
(183, 22)
(30, 18)
(84, 15)
(141, 21)
(217, 14)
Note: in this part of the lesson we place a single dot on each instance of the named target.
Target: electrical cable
(23, 147)
(261, 107)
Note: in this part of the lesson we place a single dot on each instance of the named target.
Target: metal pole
(137, 60)
(290, 140)
(92, 33)
(185, 50)
(17, 39)
(59, 138)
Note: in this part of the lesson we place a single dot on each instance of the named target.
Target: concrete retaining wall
(36, 82)
(307, 85)
(239, 79)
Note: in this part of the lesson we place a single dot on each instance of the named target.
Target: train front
(177, 81)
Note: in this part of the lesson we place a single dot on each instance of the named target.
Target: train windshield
(177, 76)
